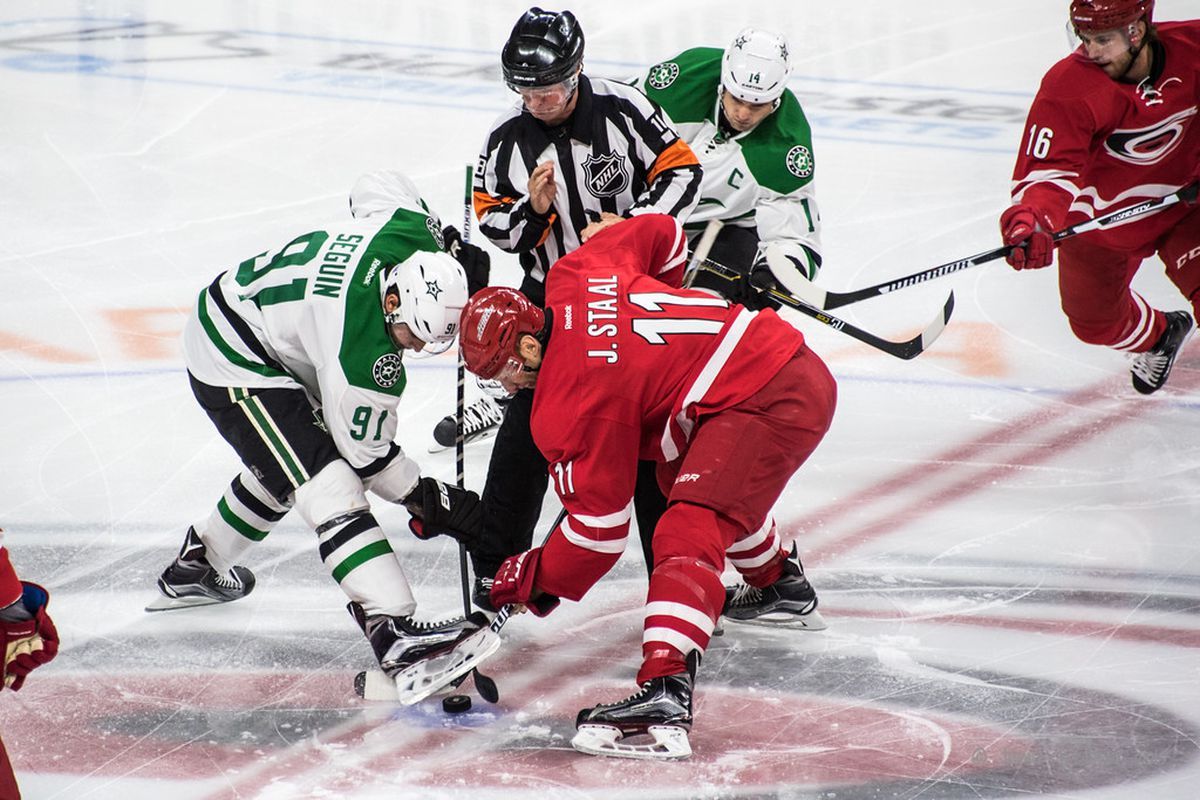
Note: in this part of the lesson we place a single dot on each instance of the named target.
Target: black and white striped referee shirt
(617, 153)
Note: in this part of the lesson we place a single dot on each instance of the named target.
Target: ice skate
(422, 657)
(481, 419)
(1151, 369)
(789, 602)
(191, 581)
(657, 718)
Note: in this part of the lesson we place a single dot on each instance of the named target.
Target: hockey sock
(685, 598)
(360, 559)
(245, 514)
(758, 556)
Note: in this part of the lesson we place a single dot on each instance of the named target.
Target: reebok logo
(688, 477)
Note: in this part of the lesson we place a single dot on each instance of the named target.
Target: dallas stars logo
(799, 161)
(663, 75)
(432, 289)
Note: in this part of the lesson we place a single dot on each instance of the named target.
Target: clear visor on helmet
(553, 96)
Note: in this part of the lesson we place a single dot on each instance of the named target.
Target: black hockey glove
(761, 281)
(439, 508)
(476, 262)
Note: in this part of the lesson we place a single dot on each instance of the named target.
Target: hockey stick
(483, 684)
(826, 300)
(908, 349)
(460, 405)
(701, 252)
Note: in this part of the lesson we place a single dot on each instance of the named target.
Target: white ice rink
(1004, 536)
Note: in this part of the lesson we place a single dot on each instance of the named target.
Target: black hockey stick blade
(827, 300)
(907, 349)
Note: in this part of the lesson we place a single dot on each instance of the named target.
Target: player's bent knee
(333, 492)
(687, 530)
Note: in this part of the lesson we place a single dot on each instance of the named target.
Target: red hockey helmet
(492, 322)
(1107, 15)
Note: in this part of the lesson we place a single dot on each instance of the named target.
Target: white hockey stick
(701, 252)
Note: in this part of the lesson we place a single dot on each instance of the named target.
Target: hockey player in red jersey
(28, 639)
(625, 366)
(1114, 123)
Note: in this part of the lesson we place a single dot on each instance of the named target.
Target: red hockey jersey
(10, 587)
(631, 363)
(1093, 145)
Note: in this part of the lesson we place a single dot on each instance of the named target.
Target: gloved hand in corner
(28, 637)
(439, 508)
(475, 261)
(1028, 231)
(514, 583)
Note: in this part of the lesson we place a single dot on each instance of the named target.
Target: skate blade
(669, 742)
(422, 679)
(479, 437)
(374, 685)
(164, 603)
(812, 621)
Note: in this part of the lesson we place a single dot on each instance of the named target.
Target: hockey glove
(514, 583)
(27, 643)
(1028, 231)
(439, 508)
(763, 281)
(476, 262)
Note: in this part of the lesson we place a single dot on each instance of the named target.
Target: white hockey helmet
(383, 190)
(433, 290)
(756, 67)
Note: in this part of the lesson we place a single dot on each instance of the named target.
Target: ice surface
(1003, 534)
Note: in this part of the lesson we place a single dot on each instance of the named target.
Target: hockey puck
(360, 684)
(456, 704)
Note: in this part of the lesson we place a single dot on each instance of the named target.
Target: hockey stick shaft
(703, 245)
(907, 349)
(460, 405)
(827, 300)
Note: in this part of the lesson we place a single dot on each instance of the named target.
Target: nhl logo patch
(387, 370)
(606, 175)
(663, 75)
(434, 226)
(799, 161)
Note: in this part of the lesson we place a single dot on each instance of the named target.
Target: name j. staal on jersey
(309, 315)
(632, 363)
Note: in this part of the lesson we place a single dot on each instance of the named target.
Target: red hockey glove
(438, 507)
(514, 584)
(27, 644)
(1029, 232)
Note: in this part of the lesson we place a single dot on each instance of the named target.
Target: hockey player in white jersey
(297, 355)
(754, 143)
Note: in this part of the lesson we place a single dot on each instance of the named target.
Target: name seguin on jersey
(1149, 145)
(602, 315)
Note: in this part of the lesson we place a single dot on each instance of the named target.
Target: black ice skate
(191, 581)
(662, 710)
(1151, 369)
(422, 657)
(789, 602)
(480, 421)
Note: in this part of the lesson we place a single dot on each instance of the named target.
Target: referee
(572, 157)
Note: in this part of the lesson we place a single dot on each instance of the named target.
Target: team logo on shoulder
(435, 230)
(799, 161)
(387, 370)
(606, 175)
(663, 75)
(1149, 145)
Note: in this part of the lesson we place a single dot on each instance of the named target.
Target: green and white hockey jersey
(309, 315)
(761, 177)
